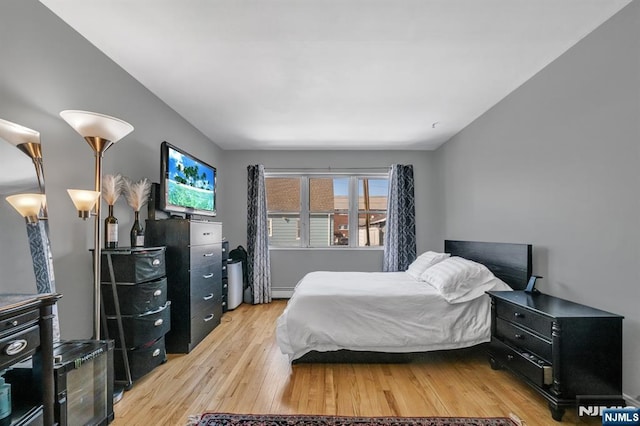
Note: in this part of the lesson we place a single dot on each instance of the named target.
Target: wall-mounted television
(187, 184)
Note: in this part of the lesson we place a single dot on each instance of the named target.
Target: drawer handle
(155, 262)
(510, 357)
(13, 323)
(206, 233)
(519, 336)
(156, 352)
(158, 322)
(224, 267)
(207, 276)
(224, 250)
(208, 318)
(15, 347)
(208, 254)
(518, 315)
(208, 296)
(157, 293)
(225, 286)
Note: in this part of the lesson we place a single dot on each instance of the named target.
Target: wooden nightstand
(562, 349)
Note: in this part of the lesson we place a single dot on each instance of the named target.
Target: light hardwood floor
(238, 368)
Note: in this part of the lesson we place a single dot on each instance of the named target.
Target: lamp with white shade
(28, 205)
(101, 132)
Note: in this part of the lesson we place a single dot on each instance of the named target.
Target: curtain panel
(400, 241)
(258, 261)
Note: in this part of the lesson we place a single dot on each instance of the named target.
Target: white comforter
(378, 311)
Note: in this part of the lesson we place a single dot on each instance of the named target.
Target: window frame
(305, 214)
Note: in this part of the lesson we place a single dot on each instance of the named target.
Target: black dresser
(225, 276)
(136, 311)
(562, 349)
(194, 277)
(26, 329)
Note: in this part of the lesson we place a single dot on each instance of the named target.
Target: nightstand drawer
(532, 368)
(522, 338)
(519, 315)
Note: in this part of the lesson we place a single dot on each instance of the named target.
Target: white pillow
(460, 280)
(424, 261)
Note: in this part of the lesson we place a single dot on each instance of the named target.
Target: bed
(391, 316)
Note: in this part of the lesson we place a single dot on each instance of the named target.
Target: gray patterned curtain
(38, 234)
(400, 241)
(258, 261)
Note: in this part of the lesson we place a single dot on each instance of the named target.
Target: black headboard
(512, 263)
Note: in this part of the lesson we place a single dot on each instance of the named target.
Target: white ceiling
(333, 74)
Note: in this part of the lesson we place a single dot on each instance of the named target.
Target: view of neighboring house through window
(314, 210)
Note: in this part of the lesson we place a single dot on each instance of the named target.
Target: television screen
(188, 184)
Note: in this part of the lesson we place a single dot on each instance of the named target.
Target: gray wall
(557, 164)
(46, 68)
(289, 265)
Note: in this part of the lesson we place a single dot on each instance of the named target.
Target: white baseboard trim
(281, 292)
(631, 401)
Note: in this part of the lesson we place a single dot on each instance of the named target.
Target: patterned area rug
(216, 419)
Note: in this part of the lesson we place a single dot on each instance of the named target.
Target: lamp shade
(92, 124)
(28, 205)
(16, 134)
(83, 200)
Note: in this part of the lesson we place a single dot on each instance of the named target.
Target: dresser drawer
(205, 320)
(204, 233)
(19, 345)
(533, 321)
(139, 330)
(522, 338)
(205, 256)
(135, 298)
(523, 363)
(8, 325)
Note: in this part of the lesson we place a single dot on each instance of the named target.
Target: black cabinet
(225, 276)
(562, 349)
(194, 277)
(26, 329)
(135, 309)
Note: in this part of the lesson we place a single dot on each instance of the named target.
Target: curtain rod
(326, 169)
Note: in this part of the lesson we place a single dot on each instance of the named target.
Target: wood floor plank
(239, 368)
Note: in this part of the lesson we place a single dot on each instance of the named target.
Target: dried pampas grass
(112, 186)
(137, 193)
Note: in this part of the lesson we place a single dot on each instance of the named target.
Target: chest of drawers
(562, 349)
(26, 329)
(194, 278)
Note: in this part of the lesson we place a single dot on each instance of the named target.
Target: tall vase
(137, 233)
(110, 230)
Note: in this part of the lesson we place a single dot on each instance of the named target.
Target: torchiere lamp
(101, 132)
(28, 141)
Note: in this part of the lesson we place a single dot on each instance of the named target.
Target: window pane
(328, 194)
(328, 229)
(284, 230)
(283, 194)
(372, 194)
(371, 229)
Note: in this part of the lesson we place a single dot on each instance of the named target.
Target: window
(319, 210)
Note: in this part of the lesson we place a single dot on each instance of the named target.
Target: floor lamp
(101, 132)
(33, 207)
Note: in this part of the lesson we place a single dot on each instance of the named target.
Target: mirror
(25, 254)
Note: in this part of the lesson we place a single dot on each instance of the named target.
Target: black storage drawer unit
(141, 329)
(136, 310)
(135, 298)
(134, 266)
(141, 360)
